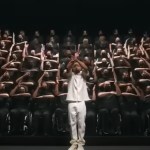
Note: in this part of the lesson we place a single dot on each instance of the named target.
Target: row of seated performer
(33, 85)
(115, 108)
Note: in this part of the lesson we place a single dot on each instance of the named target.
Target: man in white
(76, 97)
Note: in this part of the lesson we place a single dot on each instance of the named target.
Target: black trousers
(42, 122)
(61, 120)
(131, 123)
(108, 115)
(91, 118)
(108, 121)
(3, 120)
(17, 118)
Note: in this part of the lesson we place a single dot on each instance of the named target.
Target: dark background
(77, 15)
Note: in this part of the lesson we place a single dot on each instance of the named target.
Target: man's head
(125, 75)
(105, 72)
(37, 33)
(7, 32)
(2, 43)
(107, 86)
(104, 61)
(52, 32)
(100, 33)
(103, 53)
(22, 89)
(46, 74)
(69, 33)
(130, 31)
(14, 56)
(12, 64)
(44, 85)
(85, 33)
(141, 63)
(22, 33)
(117, 39)
(17, 47)
(116, 32)
(87, 60)
(48, 64)
(147, 89)
(139, 52)
(85, 41)
(2, 86)
(119, 51)
(32, 52)
(129, 89)
(7, 75)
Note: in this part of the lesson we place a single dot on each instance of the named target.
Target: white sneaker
(80, 147)
(73, 146)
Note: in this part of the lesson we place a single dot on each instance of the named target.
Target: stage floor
(66, 147)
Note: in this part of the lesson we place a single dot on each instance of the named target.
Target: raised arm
(136, 90)
(82, 64)
(94, 93)
(69, 65)
(148, 64)
(25, 52)
(35, 93)
(13, 40)
(94, 74)
(13, 91)
(117, 88)
(5, 65)
(56, 91)
(41, 78)
(20, 78)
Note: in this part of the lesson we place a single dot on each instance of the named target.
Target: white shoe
(73, 146)
(80, 147)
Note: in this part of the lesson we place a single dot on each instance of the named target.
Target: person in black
(84, 36)
(91, 115)
(43, 108)
(61, 112)
(130, 109)
(36, 43)
(31, 61)
(114, 36)
(4, 109)
(85, 49)
(69, 38)
(21, 37)
(19, 109)
(54, 36)
(144, 88)
(108, 108)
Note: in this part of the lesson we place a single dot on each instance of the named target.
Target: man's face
(85, 33)
(129, 89)
(141, 63)
(116, 32)
(22, 89)
(44, 85)
(2, 86)
(125, 75)
(52, 32)
(14, 56)
(148, 89)
(33, 52)
(22, 33)
(107, 86)
(37, 34)
(69, 33)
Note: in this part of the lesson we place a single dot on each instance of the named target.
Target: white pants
(77, 114)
